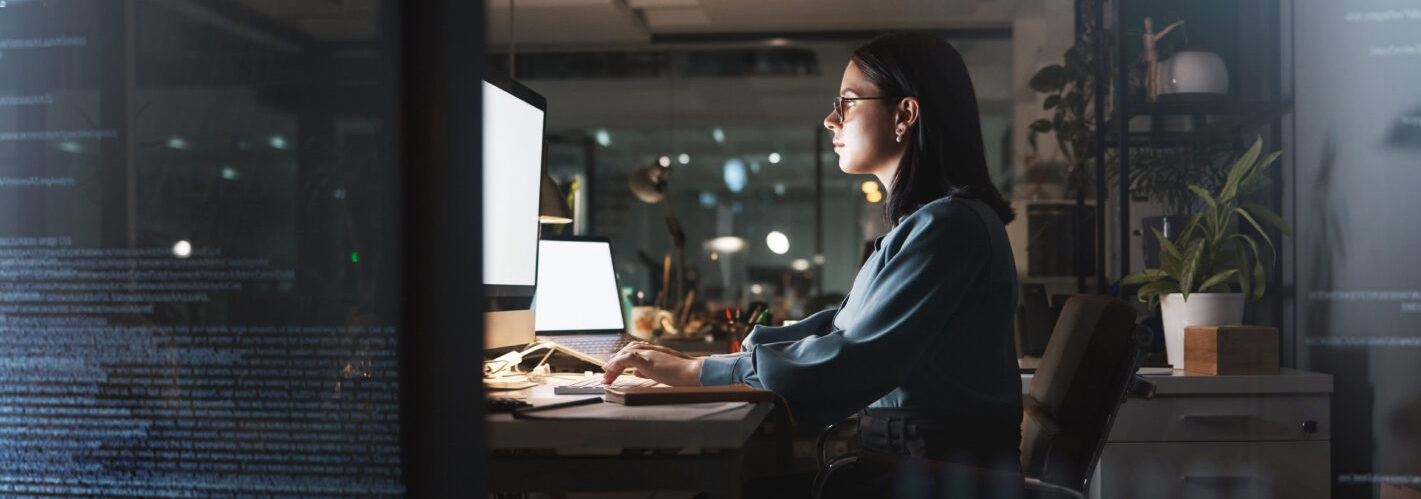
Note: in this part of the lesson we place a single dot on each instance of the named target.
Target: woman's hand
(655, 362)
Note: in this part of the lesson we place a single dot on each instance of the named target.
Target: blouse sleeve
(923, 279)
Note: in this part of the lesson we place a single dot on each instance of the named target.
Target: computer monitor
(513, 125)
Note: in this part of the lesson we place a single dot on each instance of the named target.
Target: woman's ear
(907, 113)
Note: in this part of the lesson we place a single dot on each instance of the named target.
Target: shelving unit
(1224, 119)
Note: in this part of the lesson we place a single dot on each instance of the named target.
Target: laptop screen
(577, 288)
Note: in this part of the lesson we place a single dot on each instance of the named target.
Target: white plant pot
(1202, 309)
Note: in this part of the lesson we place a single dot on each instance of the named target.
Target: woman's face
(864, 136)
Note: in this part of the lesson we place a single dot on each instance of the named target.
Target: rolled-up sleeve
(929, 265)
(816, 324)
(738, 368)
(726, 369)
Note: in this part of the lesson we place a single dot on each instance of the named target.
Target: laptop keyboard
(595, 346)
(592, 385)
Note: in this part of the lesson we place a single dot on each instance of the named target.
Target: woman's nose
(830, 122)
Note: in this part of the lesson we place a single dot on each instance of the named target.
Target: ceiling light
(778, 242)
(604, 139)
(683, 158)
(735, 177)
(725, 244)
(182, 249)
(799, 264)
(718, 135)
(774, 158)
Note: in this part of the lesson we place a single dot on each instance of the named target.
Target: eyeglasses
(839, 104)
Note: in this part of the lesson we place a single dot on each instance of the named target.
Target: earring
(900, 134)
(899, 139)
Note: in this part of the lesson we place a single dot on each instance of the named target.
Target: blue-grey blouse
(927, 326)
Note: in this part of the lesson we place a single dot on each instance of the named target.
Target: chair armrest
(821, 447)
(1035, 413)
(1038, 485)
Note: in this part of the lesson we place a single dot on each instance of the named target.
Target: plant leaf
(1268, 215)
(1051, 102)
(1204, 194)
(1150, 293)
(1257, 227)
(1256, 181)
(1245, 281)
(1042, 125)
(1165, 244)
(1143, 276)
(1049, 79)
(1218, 278)
(1241, 169)
(1187, 234)
(1260, 282)
(1189, 266)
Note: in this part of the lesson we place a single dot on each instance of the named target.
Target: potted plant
(1195, 281)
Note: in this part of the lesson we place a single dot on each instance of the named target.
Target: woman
(922, 345)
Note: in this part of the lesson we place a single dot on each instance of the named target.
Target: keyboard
(592, 385)
(595, 346)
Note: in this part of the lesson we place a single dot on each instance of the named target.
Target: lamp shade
(649, 183)
(552, 208)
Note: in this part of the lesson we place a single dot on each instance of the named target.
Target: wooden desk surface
(726, 430)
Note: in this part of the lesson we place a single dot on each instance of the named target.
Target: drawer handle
(1216, 419)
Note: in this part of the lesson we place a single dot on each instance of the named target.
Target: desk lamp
(552, 209)
(650, 185)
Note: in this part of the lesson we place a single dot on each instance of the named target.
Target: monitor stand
(509, 328)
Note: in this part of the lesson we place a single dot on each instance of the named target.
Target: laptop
(578, 305)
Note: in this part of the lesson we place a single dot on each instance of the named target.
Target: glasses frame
(840, 100)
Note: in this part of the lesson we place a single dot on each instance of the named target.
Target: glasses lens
(839, 109)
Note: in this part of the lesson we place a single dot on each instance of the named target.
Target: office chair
(1087, 371)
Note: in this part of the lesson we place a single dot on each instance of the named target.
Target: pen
(521, 412)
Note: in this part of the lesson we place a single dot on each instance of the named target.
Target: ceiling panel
(566, 22)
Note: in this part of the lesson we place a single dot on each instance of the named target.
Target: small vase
(1202, 309)
(1193, 74)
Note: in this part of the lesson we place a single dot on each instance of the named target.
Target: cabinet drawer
(1214, 470)
(1222, 419)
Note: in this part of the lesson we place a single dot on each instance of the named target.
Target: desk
(618, 454)
(1220, 436)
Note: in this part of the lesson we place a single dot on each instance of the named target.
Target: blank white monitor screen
(513, 168)
(577, 287)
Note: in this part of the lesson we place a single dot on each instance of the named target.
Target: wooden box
(1230, 350)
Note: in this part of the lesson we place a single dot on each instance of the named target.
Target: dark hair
(945, 152)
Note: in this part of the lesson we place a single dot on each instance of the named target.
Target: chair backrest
(1078, 386)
